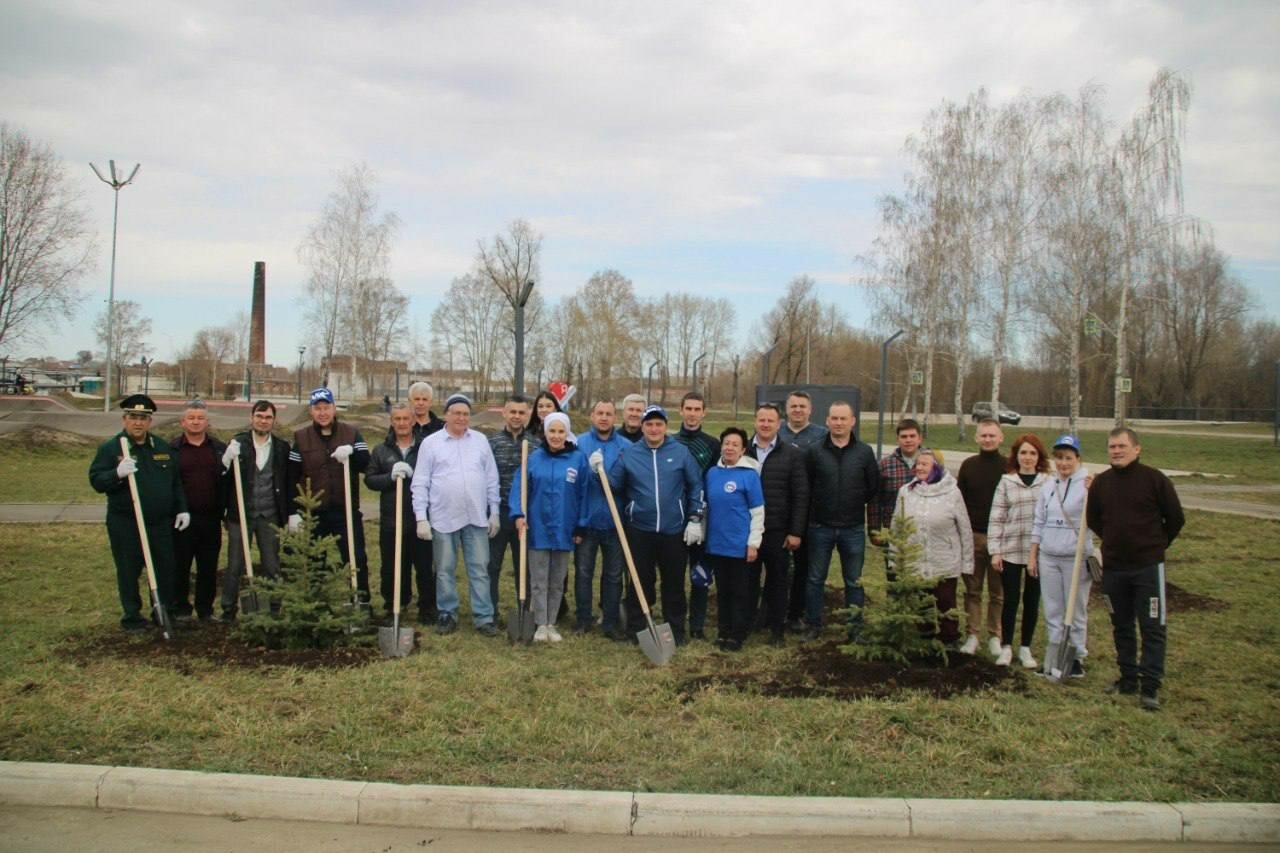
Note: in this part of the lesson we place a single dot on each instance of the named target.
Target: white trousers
(1055, 587)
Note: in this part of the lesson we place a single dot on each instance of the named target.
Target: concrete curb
(621, 813)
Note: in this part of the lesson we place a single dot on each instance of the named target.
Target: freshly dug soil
(821, 670)
(1179, 600)
(206, 643)
(46, 438)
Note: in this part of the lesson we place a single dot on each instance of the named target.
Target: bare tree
(605, 312)
(214, 346)
(129, 333)
(347, 247)
(467, 326)
(45, 246)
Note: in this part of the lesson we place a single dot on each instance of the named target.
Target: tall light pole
(884, 379)
(301, 350)
(116, 184)
(522, 298)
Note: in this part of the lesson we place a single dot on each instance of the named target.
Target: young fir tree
(905, 627)
(311, 600)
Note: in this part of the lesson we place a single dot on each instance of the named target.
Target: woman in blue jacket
(735, 526)
(557, 507)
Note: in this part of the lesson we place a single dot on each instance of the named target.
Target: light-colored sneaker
(553, 635)
(1005, 657)
(1025, 658)
(540, 635)
(993, 646)
(970, 645)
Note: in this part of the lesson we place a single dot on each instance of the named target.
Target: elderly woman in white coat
(1053, 548)
(934, 502)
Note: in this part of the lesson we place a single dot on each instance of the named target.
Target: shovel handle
(351, 527)
(524, 510)
(1081, 535)
(395, 585)
(622, 538)
(244, 522)
(146, 543)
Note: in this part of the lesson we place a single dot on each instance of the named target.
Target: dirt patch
(1179, 600)
(46, 438)
(823, 671)
(205, 642)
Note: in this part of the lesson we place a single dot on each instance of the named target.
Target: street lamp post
(301, 350)
(116, 185)
(884, 361)
(146, 374)
(522, 297)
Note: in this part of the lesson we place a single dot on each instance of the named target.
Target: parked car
(996, 410)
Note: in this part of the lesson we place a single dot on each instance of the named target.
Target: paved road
(56, 830)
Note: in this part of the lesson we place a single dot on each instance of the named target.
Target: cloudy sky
(718, 148)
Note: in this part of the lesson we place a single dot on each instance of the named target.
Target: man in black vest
(315, 460)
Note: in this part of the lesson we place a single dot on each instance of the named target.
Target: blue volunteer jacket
(597, 512)
(557, 497)
(661, 486)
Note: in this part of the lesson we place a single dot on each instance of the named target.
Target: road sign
(917, 377)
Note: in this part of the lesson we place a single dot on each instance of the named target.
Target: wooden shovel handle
(244, 522)
(351, 527)
(1081, 535)
(142, 526)
(622, 537)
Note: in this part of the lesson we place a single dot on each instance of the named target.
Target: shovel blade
(395, 642)
(249, 602)
(657, 642)
(520, 627)
(1060, 668)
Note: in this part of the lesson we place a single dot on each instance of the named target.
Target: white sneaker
(993, 646)
(1006, 656)
(1025, 658)
(553, 635)
(540, 635)
(970, 645)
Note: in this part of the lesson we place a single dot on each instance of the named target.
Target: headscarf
(935, 473)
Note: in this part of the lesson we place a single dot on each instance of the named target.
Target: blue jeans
(474, 542)
(851, 542)
(584, 569)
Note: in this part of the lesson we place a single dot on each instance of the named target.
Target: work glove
(424, 530)
(182, 521)
(126, 467)
(597, 461)
(343, 452)
(295, 523)
(693, 533)
(230, 454)
(494, 525)
(400, 470)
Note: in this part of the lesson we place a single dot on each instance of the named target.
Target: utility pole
(116, 185)
(522, 297)
(884, 361)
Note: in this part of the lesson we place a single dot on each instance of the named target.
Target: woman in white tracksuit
(1053, 550)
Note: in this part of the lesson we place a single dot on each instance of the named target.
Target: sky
(715, 148)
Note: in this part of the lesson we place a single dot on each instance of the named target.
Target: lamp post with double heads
(522, 298)
(116, 185)
(301, 350)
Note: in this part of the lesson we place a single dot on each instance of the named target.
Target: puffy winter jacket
(942, 527)
(841, 482)
(557, 497)
(1054, 529)
(661, 486)
(785, 480)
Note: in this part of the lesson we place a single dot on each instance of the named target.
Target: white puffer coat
(942, 527)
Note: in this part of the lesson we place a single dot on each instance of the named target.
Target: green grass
(591, 714)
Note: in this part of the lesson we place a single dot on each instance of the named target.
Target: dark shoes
(616, 634)
(796, 626)
(777, 640)
(446, 624)
(811, 633)
(696, 634)
(1077, 669)
(1149, 702)
(726, 644)
(1122, 688)
(488, 629)
(582, 630)
(136, 627)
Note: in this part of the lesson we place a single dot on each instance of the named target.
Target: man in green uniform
(164, 507)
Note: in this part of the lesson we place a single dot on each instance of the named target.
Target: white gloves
(597, 461)
(295, 523)
(182, 521)
(693, 533)
(126, 467)
(230, 454)
(494, 525)
(400, 470)
(343, 453)
(424, 530)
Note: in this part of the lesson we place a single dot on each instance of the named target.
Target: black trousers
(658, 555)
(1011, 578)
(774, 561)
(733, 595)
(415, 564)
(201, 542)
(1135, 597)
(333, 522)
(799, 582)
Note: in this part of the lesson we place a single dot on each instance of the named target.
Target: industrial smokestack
(258, 321)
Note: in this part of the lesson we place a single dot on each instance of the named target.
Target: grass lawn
(592, 714)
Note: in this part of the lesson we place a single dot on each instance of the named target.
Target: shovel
(656, 641)
(351, 540)
(397, 642)
(161, 614)
(1066, 652)
(249, 597)
(520, 625)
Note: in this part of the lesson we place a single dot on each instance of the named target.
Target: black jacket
(378, 478)
(842, 480)
(1136, 512)
(278, 462)
(784, 478)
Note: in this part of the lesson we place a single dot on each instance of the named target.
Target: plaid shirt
(1013, 510)
(895, 473)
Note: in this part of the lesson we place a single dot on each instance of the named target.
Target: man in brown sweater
(979, 476)
(1135, 510)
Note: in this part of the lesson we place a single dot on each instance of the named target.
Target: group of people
(757, 515)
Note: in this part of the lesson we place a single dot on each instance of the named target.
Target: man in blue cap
(164, 506)
(315, 460)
